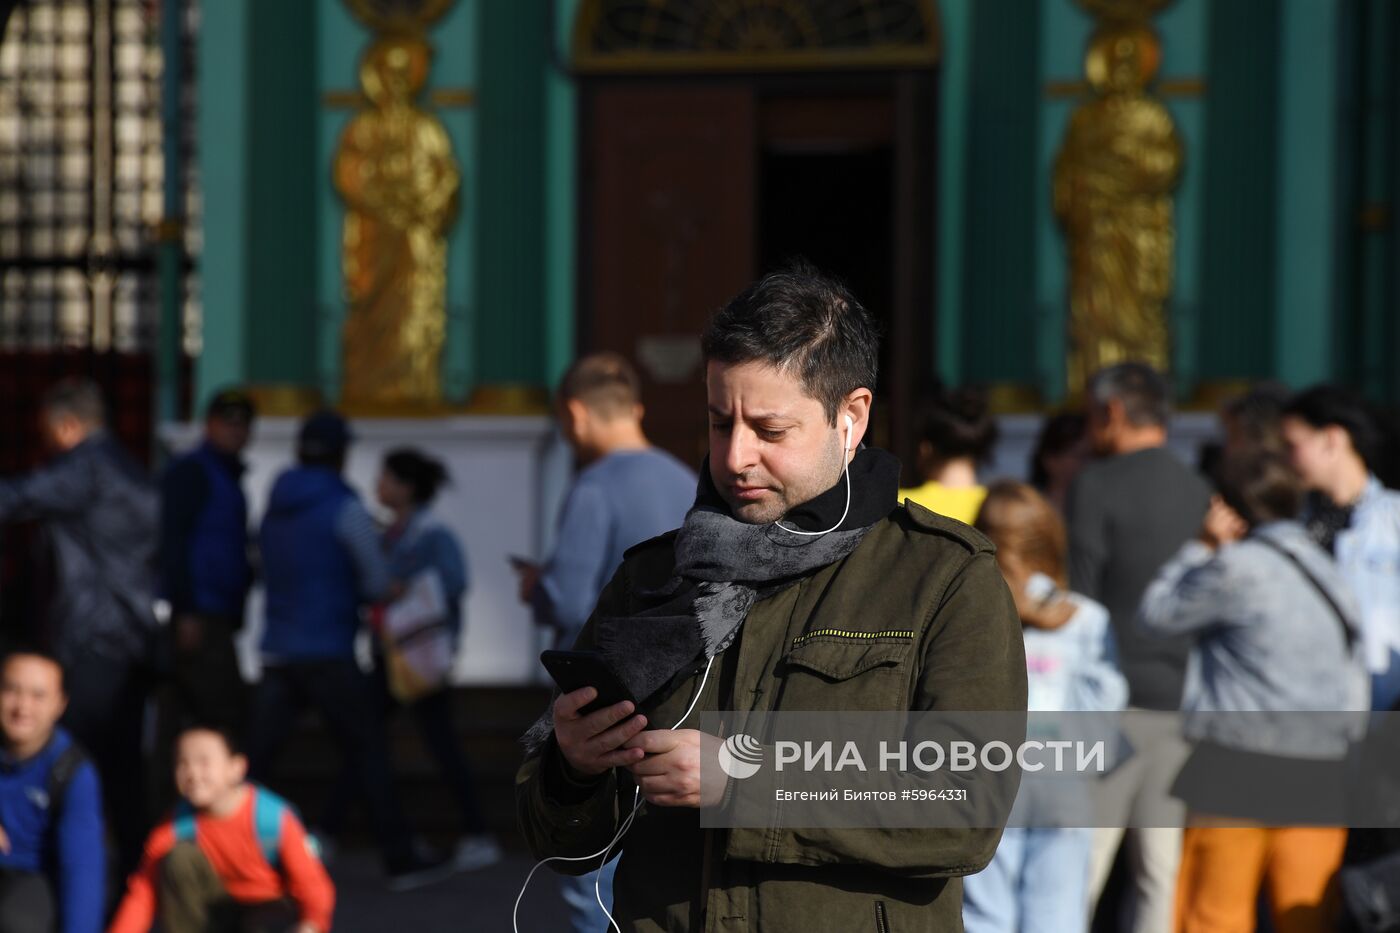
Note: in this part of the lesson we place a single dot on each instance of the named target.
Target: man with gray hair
(1128, 513)
(98, 513)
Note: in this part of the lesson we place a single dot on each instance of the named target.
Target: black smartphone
(572, 670)
(520, 563)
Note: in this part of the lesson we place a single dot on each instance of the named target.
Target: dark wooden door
(666, 236)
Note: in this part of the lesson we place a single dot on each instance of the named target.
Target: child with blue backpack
(233, 856)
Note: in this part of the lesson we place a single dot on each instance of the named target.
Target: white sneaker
(476, 851)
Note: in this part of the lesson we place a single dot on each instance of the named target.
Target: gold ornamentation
(753, 35)
(1120, 159)
(399, 17)
(395, 170)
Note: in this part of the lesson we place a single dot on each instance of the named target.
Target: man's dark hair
(1258, 413)
(415, 469)
(1059, 433)
(1261, 486)
(803, 322)
(78, 397)
(958, 423)
(1143, 392)
(43, 654)
(1323, 406)
(605, 382)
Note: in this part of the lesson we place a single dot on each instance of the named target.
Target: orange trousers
(1223, 867)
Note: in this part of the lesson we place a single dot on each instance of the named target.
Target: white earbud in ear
(850, 429)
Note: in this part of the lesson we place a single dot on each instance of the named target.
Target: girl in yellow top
(958, 434)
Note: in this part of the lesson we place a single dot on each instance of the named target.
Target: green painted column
(955, 89)
(1305, 280)
(998, 288)
(222, 127)
(510, 329)
(1237, 275)
(1376, 289)
(256, 146)
(1184, 28)
(561, 199)
(280, 304)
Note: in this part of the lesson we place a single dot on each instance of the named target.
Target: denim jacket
(1267, 640)
(1074, 668)
(425, 544)
(1368, 552)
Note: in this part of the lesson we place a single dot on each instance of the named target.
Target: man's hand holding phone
(593, 743)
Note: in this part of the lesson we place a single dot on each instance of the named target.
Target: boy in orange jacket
(231, 857)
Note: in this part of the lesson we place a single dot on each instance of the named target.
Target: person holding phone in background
(626, 492)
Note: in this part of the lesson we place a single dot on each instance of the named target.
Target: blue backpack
(268, 809)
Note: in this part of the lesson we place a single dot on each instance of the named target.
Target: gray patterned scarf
(723, 566)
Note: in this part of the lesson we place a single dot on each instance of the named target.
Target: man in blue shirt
(51, 848)
(625, 493)
(204, 566)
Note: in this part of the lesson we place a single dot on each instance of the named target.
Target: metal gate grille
(81, 176)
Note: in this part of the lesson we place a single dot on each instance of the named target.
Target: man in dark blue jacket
(204, 565)
(51, 850)
(321, 560)
(97, 511)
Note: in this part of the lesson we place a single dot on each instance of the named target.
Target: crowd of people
(1265, 578)
(151, 580)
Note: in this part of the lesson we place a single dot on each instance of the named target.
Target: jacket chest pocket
(830, 669)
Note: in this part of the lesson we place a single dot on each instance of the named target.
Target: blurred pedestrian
(1275, 629)
(416, 544)
(1254, 420)
(958, 435)
(1331, 442)
(52, 852)
(1129, 511)
(321, 562)
(233, 856)
(1038, 879)
(626, 492)
(98, 512)
(205, 570)
(1061, 450)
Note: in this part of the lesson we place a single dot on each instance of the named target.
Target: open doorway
(835, 209)
(689, 189)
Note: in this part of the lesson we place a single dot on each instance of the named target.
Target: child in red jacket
(232, 854)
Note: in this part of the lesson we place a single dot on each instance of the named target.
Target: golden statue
(1114, 175)
(394, 168)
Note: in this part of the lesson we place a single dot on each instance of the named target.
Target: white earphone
(846, 470)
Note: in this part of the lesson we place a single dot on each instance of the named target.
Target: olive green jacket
(949, 639)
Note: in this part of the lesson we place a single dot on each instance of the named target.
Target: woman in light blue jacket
(1277, 645)
(414, 544)
(1038, 879)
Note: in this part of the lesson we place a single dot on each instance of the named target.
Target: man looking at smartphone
(794, 558)
(626, 491)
